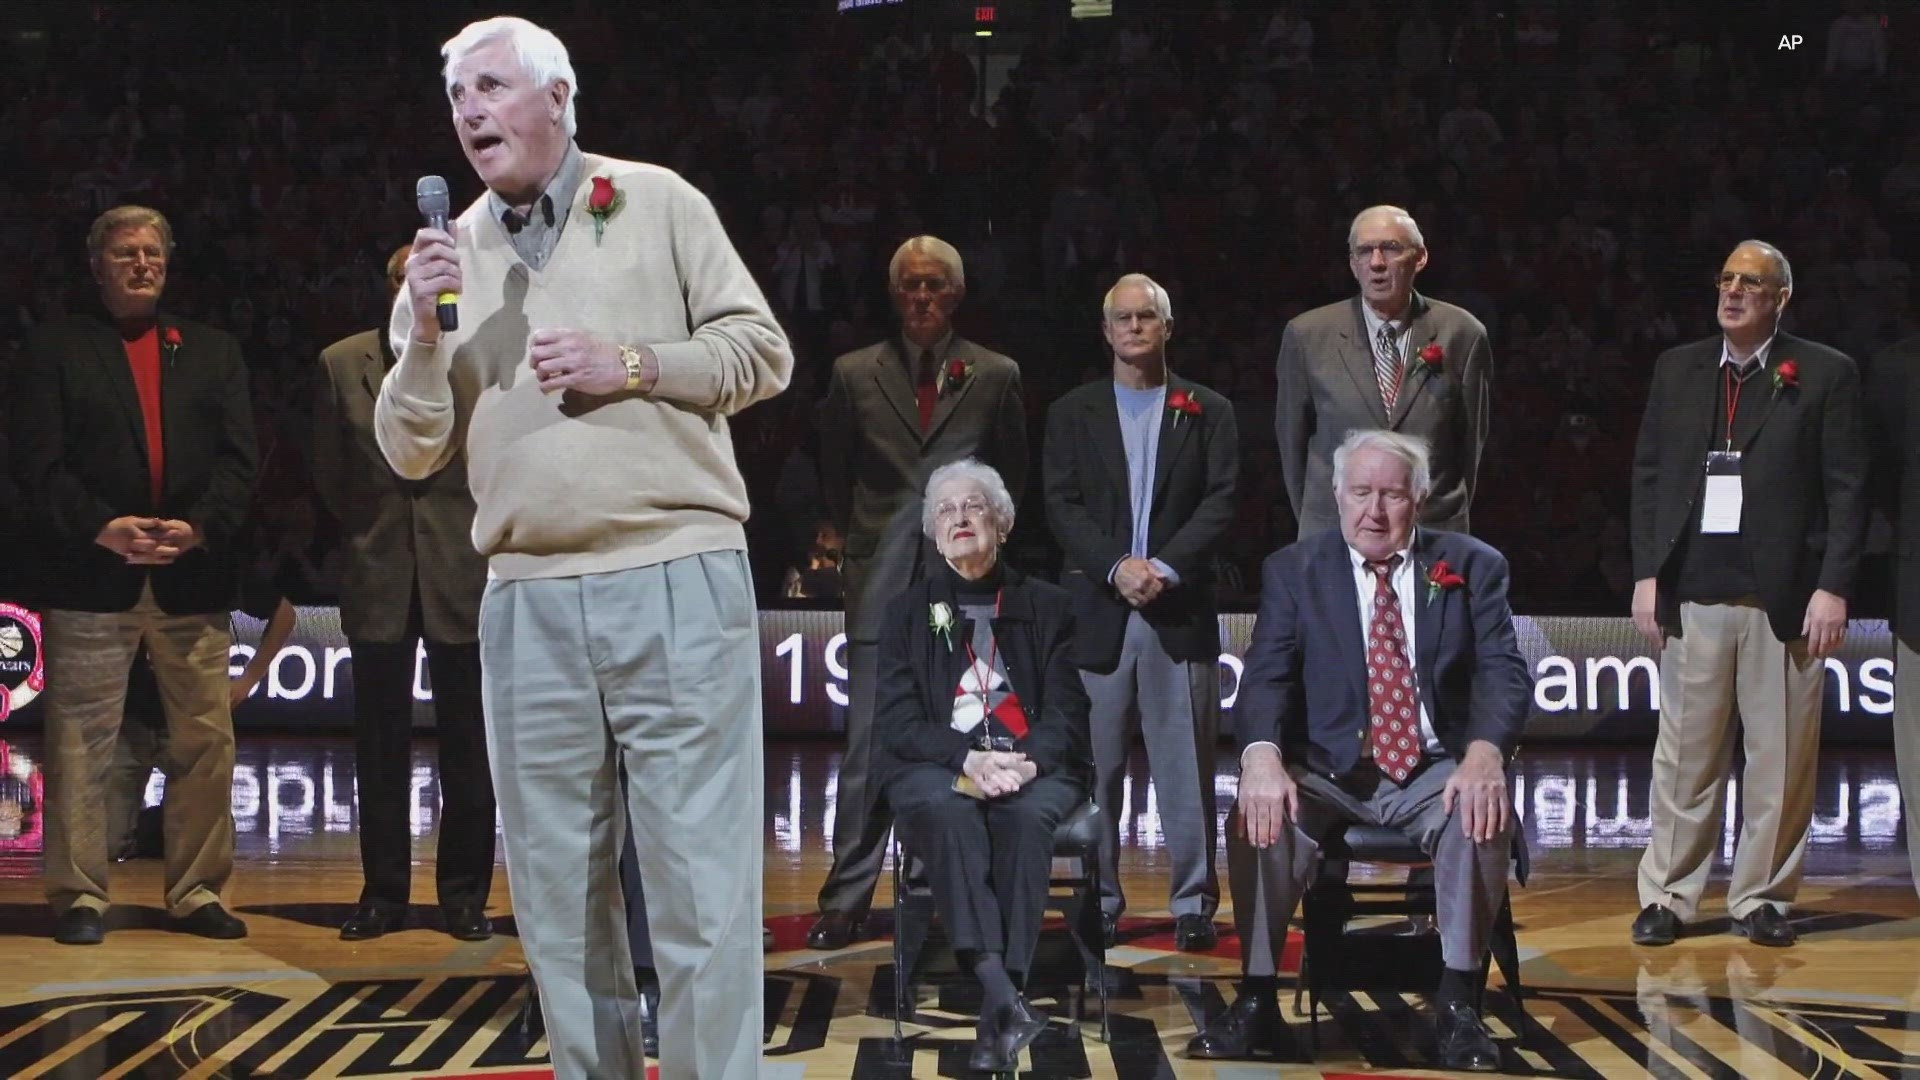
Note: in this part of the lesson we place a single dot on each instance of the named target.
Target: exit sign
(984, 13)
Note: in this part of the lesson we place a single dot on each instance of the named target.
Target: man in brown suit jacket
(412, 576)
(894, 412)
(1387, 359)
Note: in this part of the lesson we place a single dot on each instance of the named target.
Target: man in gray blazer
(412, 574)
(1387, 359)
(894, 412)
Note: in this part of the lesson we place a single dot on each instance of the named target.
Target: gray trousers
(1176, 706)
(1727, 655)
(656, 668)
(88, 656)
(1469, 878)
(1906, 743)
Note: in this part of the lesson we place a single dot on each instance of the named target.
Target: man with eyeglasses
(136, 445)
(895, 412)
(1388, 359)
(1140, 471)
(1749, 503)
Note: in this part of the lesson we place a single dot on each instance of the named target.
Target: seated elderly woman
(982, 728)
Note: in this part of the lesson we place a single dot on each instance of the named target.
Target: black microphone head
(430, 194)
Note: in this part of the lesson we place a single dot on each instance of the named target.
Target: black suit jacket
(1802, 475)
(1305, 684)
(401, 534)
(1084, 466)
(919, 671)
(1893, 408)
(82, 446)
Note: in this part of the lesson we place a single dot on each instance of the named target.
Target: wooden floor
(293, 1000)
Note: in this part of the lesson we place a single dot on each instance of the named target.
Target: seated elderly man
(1383, 686)
(982, 725)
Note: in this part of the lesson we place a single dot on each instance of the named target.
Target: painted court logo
(23, 670)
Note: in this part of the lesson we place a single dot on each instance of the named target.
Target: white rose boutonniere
(940, 617)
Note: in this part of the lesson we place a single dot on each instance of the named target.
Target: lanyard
(1733, 403)
(973, 661)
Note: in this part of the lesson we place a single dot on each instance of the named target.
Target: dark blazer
(919, 671)
(1305, 684)
(1084, 466)
(1327, 388)
(400, 534)
(874, 460)
(1892, 394)
(81, 443)
(1803, 475)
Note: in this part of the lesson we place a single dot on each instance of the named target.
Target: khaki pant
(1906, 743)
(88, 657)
(1726, 655)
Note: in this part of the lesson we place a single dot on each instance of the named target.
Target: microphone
(430, 194)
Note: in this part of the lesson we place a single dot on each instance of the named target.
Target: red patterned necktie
(1393, 694)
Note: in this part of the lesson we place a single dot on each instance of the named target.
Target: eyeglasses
(1744, 284)
(134, 254)
(1392, 249)
(974, 506)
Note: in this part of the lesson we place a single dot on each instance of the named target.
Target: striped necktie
(1386, 365)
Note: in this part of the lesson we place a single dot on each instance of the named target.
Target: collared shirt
(1405, 591)
(1400, 327)
(1140, 412)
(914, 353)
(535, 235)
(1753, 363)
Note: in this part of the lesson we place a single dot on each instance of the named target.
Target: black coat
(1893, 410)
(1803, 475)
(919, 670)
(81, 447)
(1090, 510)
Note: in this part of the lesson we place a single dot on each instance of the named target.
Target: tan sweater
(566, 484)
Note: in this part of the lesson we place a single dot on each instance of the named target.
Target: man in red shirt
(136, 449)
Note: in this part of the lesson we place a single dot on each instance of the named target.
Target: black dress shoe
(1249, 1022)
(834, 930)
(1109, 929)
(1463, 1041)
(1655, 925)
(999, 1039)
(1766, 926)
(1194, 933)
(466, 922)
(370, 921)
(80, 926)
(211, 921)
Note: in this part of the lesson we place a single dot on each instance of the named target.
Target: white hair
(933, 248)
(1779, 258)
(538, 50)
(1411, 449)
(1393, 213)
(1162, 303)
(999, 499)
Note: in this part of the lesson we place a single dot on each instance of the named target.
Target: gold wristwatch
(630, 356)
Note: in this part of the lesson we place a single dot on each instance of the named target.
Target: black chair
(1340, 958)
(1077, 837)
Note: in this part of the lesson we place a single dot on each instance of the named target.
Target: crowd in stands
(1578, 169)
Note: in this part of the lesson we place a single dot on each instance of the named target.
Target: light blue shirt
(1140, 434)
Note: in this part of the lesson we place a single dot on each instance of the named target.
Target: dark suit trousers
(989, 860)
(383, 763)
(861, 815)
(1469, 878)
(639, 936)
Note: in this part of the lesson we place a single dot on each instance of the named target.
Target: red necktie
(927, 388)
(1393, 694)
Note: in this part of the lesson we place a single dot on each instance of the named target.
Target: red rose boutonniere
(1433, 356)
(1182, 404)
(1786, 375)
(1442, 577)
(958, 372)
(170, 341)
(603, 202)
